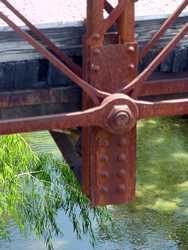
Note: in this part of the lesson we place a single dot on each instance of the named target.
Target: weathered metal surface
(163, 108)
(94, 18)
(164, 87)
(163, 29)
(117, 114)
(110, 116)
(106, 67)
(137, 83)
(66, 144)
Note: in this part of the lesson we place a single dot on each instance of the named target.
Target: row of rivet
(97, 51)
(121, 157)
(106, 143)
(105, 159)
(132, 49)
(96, 68)
(120, 188)
(97, 36)
(121, 173)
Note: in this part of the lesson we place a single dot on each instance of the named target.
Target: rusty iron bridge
(120, 77)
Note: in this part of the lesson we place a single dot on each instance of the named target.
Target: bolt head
(104, 174)
(104, 158)
(97, 51)
(120, 119)
(95, 68)
(132, 66)
(96, 36)
(121, 188)
(121, 173)
(122, 157)
(120, 114)
(131, 49)
(123, 141)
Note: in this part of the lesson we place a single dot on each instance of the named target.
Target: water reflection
(158, 219)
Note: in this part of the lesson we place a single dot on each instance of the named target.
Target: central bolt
(120, 114)
(122, 119)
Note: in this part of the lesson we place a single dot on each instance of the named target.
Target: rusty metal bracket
(111, 91)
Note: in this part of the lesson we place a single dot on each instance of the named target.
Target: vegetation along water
(40, 197)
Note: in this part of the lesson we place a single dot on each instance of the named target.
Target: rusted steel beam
(108, 7)
(136, 85)
(126, 32)
(94, 20)
(110, 139)
(163, 28)
(162, 108)
(64, 141)
(50, 45)
(107, 149)
(108, 22)
(21, 98)
(117, 115)
(126, 23)
(114, 15)
(164, 87)
(92, 92)
(95, 117)
(50, 122)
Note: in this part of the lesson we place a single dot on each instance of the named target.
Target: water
(158, 218)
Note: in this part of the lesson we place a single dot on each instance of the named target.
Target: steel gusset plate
(109, 160)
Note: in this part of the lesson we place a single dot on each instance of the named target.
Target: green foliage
(16, 158)
(33, 188)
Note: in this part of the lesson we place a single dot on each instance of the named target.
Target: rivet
(123, 142)
(95, 68)
(96, 36)
(131, 66)
(121, 188)
(104, 158)
(104, 174)
(104, 189)
(131, 49)
(121, 173)
(104, 143)
(122, 157)
(97, 51)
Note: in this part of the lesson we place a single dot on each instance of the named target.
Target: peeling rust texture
(112, 156)
(113, 95)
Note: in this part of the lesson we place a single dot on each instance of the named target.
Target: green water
(158, 218)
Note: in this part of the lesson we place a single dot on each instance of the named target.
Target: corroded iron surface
(111, 88)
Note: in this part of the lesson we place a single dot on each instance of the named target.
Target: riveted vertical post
(126, 30)
(126, 23)
(109, 160)
(94, 19)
